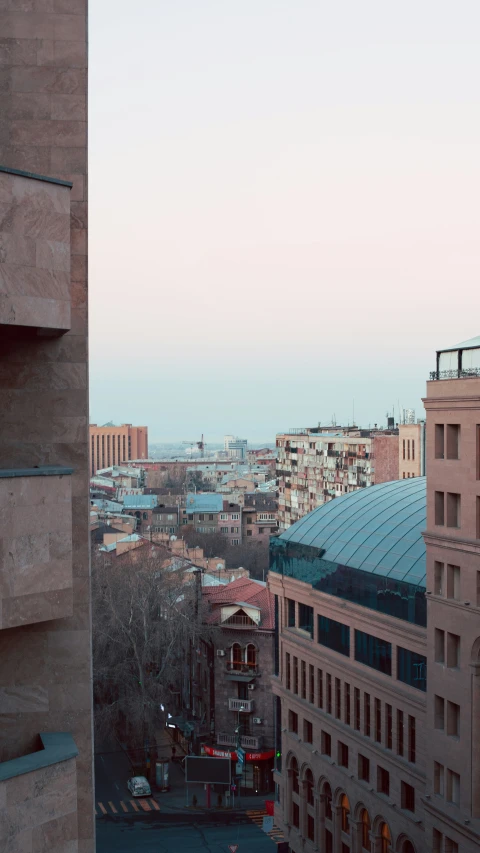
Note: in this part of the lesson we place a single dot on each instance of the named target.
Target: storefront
(256, 776)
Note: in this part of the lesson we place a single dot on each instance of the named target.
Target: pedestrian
(174, 752)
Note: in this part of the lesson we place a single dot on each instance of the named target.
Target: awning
(181, 723)
(233, 676)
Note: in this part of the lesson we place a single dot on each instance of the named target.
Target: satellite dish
(173, 538)
(219, 566)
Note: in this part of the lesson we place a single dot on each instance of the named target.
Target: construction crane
(200, 444)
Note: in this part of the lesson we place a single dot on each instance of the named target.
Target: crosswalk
(257, 815)
(126, 807)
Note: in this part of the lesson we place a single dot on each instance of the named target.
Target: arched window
(408, 847)
(345, 807)
(145, 516)
(309, 785)
(385, 838)
(327, 793)
(294, 772)
(365, 819)
(237, 655)
(251, 655)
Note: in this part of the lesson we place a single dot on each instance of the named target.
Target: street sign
(241, 754)
(233, 848)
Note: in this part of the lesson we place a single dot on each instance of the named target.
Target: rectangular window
(412, 740)
(404, 450)
(307, 731)
(342, 754)
(378, 721)
(437, 841)
(408, 797)
(400, 734)
(356, 703)
(411, 668)
(320, 688)
(438, 578)
(373, 652)
(311, 684)
(383, 781)
(453, 509)
(222, 529)
(329, 694)
(453, 787)
(439, 441)
(453, 651)
(287, 671)
(201, 516)
(439, 509)
(304, 679)
(439, 715)
(438, 779)
(326, 744)
(291, 621)
(347, 703)
(453, 719)
(295, 814)
(295, 675)
(363, 768)
(293, 722)
(310, 827)
(334, 635)
(366, 714)
(453, 441)
(453, 582)
(450, 846)
(439, 645)
(389, 727)
(305, 618)
(338, 699)
(413, 450)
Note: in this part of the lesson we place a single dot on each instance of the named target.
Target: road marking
(112, 807)
(124, 807)
(145, 806)
(102, 807)
(133, 803)
(155, 805)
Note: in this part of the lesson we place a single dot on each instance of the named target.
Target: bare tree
(145, 621)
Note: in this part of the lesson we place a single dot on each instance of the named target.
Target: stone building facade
(46, 779)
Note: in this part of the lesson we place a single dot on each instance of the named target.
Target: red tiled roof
(245, 590)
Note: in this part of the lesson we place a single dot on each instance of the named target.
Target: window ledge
(56, 747)
(41, 471)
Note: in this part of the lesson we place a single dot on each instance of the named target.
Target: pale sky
(284, 209)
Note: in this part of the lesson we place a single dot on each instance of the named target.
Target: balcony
(239, 621)
(246, 741)
(242, 667)
(36, 251)
(36, 526)
(246, 706)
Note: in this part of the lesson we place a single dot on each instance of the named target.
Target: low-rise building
(259, 517)
(411, 450)
(230, 522)
(203, 510)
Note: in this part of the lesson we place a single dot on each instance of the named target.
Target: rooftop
(209, 502)
(243, 591)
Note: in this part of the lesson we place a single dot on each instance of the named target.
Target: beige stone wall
(44, 380)
(410, 450)
(39, 811)
(36, 563)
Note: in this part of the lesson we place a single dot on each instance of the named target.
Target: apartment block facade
(314, 466)
(46, 742)
(113, 445)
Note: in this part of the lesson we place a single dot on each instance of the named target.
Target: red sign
(249, 756)
(233, 848)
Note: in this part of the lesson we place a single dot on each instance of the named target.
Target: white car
(139, 787)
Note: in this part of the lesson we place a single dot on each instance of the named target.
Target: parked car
(139, 787)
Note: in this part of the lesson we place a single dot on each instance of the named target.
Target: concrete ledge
(42, 471)
(35, 177)
(57, 747)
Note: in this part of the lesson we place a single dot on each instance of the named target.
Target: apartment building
(317, 464)
(452, 403)
(259, 517)
(411, 450)
(113, 445)
(46, 742)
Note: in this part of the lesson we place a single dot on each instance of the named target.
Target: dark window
(334, 635)
(366, 714)
(411, 668)
(356, 703)
(373, 652)
(304, 679)
(320, 687)
(347, 703)
(310, 827)
(383, 781)
(342, 754)
(293, 722)
(329, 694)
(290, 613)
(295, 675)
(201, 516)
(389, 726)
(305, 618)
(327, 792)
(296, 815)
(408, 797)
(287, 671)
(412, 739)
(439, 508)
(326, 744)
(378, 721)
(400, 733)
(453, 441)
(307, 731)
(311, 684)
(439, 441)
(363, 768)
(338, 699)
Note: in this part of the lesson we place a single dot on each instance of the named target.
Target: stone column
(320, 823)
(356, 827)
(475, 739)
(303, 809)
(337, 829)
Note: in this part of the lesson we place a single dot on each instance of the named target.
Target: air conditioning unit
(257, 720)
(220, 653)
(251, 687)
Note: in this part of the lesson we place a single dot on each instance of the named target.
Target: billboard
(214, 771)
